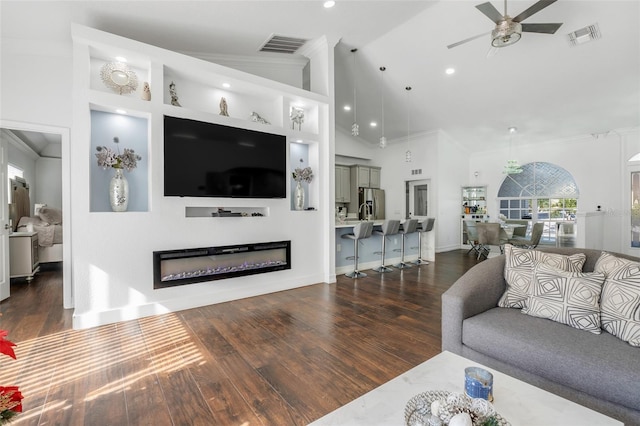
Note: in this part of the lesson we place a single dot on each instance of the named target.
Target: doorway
(417, 199)
(42, 132)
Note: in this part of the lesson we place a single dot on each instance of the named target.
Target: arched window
(543, 192)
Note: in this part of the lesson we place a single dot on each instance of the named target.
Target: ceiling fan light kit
(506, 33)
(509, 30)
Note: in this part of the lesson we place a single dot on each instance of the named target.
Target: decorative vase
(146, 92)
(119, 192)
(299, 196)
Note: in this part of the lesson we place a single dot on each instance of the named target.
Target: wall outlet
(339, 248)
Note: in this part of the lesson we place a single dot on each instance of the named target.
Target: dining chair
(469, 228)
(531, 242)
(518, 231)
(489, 235)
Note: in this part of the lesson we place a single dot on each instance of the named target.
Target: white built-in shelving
(200, 86)
(113, 277)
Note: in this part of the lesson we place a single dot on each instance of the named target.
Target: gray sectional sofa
(599, 371)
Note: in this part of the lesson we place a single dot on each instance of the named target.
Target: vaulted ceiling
(542, 85)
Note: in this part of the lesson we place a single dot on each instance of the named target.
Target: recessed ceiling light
(121, 111)
(373, 124)
(329, 4)
(347, 107)
(450, 71)
(121, 59)
(513, 129)
(226, 85)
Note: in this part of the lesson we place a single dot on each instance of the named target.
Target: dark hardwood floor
(286, 358)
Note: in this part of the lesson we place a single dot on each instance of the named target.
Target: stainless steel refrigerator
(370, 204)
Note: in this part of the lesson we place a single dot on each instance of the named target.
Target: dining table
(506, 230)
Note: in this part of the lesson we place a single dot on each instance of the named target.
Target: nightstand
(23, 254)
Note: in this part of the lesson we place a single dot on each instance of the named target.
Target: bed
(46, 221)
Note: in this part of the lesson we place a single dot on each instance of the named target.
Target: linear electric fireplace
(179, 267)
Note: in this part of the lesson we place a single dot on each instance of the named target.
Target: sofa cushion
(620, 304)
(570, 298)
(518, 271)
(597, 364)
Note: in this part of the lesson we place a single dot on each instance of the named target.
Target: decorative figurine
(223, 107)
(255, 117)
(297, 117)
(146, 92)
(174, 95)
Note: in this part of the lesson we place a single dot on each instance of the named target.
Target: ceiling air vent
(584, 35)
(283, 44)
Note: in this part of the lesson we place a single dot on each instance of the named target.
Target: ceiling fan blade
(490, 12)
(451, 46)
(537, 7)
(541, 28)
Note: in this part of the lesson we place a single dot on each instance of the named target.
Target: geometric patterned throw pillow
(620, 302)
(569, 298)
(518, 271)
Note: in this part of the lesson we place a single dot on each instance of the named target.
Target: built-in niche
(132, 133)
(299, 158)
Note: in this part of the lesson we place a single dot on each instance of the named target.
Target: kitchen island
(372, 245)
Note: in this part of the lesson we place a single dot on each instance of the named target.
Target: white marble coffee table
(518, 402)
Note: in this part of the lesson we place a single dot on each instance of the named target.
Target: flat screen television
(212, 160)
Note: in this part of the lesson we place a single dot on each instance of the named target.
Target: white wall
(352, 150)
(287, 71)
(453, 168)
(36, 82)
(49, 182)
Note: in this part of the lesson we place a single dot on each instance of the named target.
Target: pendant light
(512, 167)
(407, 154)
(383, 140)
(355, 129)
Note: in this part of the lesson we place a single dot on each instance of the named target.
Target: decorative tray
(418, 410)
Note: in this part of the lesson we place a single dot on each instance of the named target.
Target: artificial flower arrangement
(109, 158)
(305, 174)
(10, 396)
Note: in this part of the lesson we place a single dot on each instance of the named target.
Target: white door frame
(67, 292)
(5, 286)
(409, 202)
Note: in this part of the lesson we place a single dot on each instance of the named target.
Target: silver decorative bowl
(417, 412)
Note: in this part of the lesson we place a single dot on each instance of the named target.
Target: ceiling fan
(508, 30)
